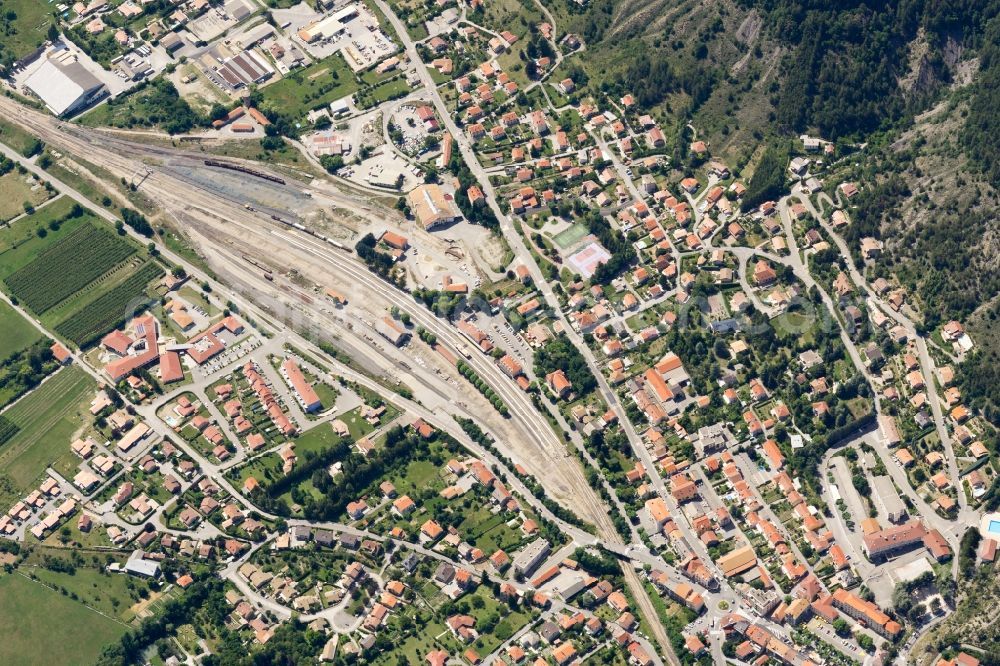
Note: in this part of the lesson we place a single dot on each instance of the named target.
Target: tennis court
(586, 261)
(569, 237)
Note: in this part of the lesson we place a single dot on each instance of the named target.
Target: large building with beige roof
(737, 561)
(432, 207)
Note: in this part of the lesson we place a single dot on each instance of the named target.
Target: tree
(272, 143)
(137, 221)
(332, 163)
(218, 112)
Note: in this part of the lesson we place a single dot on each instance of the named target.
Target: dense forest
(768, 180)
(981, 135)
(844, 69)
(848, 57)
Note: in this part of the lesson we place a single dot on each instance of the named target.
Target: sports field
(570, 236)
(48, 417)
(41, 626)
(586, 261)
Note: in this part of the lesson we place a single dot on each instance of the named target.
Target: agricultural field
(100, 275)
(110, 309)
(21, 243)
(18, 333)
(47, 419)
(7, 429)
(68, 265)
(30, 611)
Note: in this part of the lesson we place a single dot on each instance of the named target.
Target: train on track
(301, 227)
(243, 169)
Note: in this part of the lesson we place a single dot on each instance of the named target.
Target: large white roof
(62, 87)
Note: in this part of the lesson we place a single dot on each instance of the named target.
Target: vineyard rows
(109, 310)
(7, 429)
(67, 266)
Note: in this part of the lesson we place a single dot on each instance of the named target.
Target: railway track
(122, 157)
(547, 456)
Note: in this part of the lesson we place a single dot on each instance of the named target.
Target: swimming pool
(989, 526)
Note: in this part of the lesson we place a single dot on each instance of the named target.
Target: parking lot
(412, 129)
(230, 356)
(361, 41)
(504, 336)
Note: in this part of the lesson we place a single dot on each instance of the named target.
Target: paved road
(521, 251)
(926, 363)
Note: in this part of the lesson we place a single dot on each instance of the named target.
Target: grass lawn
(316, 439)
(859, 407)
(18, 333)
(109, 594)
(95, 538)
(267, 467)
(383, 92)
(48, 418)
(15, 190)
(489, 531)
(357, 425)
(514, 619)
(795, 325)
(31, 612)
(28, 28)
(18, 139)
(310, 88)
(20, 244)
(327, 394)
(419, 474)
(84, 186)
